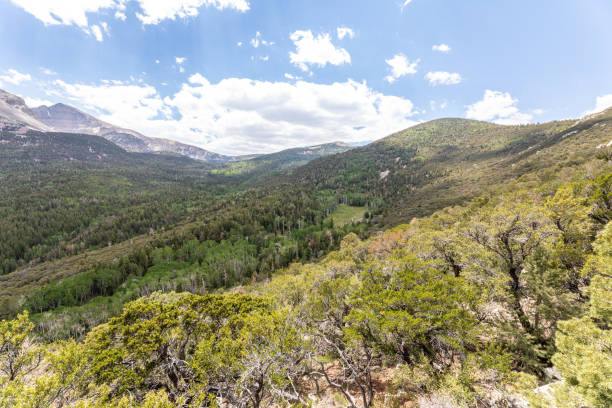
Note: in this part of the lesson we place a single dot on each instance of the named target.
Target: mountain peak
(15, 114)
(66, 118)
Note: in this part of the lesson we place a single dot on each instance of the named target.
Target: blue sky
(245, 76)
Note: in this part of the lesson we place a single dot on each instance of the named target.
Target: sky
(258, 76)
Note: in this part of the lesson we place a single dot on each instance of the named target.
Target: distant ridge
(65, 118)
(17, 117)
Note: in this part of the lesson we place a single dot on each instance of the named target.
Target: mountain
(449, 161)
(65, 118)
(492, 291)
(16, 116)
(283, 160)
(52, 147)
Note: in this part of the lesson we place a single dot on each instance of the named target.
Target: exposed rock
(66, 118)
(16, 116)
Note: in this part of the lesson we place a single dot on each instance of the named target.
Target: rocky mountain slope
(16, 116)
(65, 118)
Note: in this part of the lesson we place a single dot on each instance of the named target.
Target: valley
(452, 249)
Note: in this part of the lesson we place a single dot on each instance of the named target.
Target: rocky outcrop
(16, 116)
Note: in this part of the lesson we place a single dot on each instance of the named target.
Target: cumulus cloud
(345, 32)
(601, 103)
(441, 48)
(498, 107)
(241, 115)
(400, 66)
(180, 61)
(151, 11)
(116, 101)
(47, 71)
(15, 77)
(258, 41)
(443, 78)
(155, 11)
(104, 26)
(97, 32)
(319, 51)
(34, 102)
(64, 12)
(434, 106)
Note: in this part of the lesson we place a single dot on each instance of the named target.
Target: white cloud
(64, 12)
(180, 61)
(239, 43)
(157, 61)
(400, 66)
(105, 28)
(441, 48)
(241, 115)
(34, 102)
(345, 32)
(497, 107)
(155, 11)
(68, 12)
(97, 32)
(259, 41)
(121, 103)
(434, 106)
(265, 58)
(292, 77)
(15, 77)
(601, 103)
(443, 78)
(406, 2)
(47, 71)
(319, 50)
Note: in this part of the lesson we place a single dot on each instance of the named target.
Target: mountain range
(17, 117)
(65, 118)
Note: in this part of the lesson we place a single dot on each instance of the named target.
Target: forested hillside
(449, 161)
(62, 194)
(79, 205)
(287, 292)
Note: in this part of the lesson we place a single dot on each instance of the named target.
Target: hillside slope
(469, 307)
(283, 160)
(415, 172)
(448, 161)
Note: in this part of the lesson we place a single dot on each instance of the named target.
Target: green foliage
(18, 357)
(411, 310)
(223, 308)
(583, 356)
(601, 198)
(198, 349)
(345, 214)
